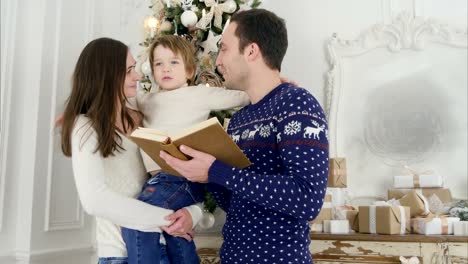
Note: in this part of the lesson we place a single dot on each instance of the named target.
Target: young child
(175, 106)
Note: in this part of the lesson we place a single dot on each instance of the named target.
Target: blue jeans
(170, 192)
(124, 260)
(113, 260)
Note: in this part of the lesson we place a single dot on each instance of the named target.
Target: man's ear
(252, 51)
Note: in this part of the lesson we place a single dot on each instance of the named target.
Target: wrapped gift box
(316, 228)
(353, 220)
(418, 181)
(433, 226)
(337, 173)
(443, 193)
(325, 212)
(388, 220)
(460, 228)
(349, 213)
(336, 226)
(416, 202)
(337, 196)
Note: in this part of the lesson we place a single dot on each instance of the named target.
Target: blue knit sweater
(269, 204)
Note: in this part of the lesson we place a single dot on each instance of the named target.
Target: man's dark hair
(267, 30)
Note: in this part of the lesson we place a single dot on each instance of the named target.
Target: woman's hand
(182, 225)
(58, 120)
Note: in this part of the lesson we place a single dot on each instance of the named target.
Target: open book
(207, 136)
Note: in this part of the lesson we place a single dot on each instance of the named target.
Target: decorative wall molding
(77, 220)
(8, 51)
(127, 8)
(405, 32)
(405, 37)
(56, 255)
(418, 6)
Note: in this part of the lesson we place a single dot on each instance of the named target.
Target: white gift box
(316, 228)
(460, 228)
(418, 181)
(337, 196)
(435, 226)
(336, 226)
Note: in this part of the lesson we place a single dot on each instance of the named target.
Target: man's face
(231, 62)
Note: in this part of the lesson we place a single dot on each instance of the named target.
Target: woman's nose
(138, 76)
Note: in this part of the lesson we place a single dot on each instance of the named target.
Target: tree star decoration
(211, 43)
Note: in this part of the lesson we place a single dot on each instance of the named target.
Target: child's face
(168, 69)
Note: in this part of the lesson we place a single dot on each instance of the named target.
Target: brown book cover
(207, 136)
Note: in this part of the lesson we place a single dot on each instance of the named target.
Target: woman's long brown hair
(97, 91)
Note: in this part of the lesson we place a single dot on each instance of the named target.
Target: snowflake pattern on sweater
(269, 204)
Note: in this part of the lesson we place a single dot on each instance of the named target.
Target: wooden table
(364, 248)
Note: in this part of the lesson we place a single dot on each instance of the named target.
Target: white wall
(40, 217)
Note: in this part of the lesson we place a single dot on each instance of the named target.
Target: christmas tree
(201, 22)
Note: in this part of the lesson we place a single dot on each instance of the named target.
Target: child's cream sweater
(173, 111)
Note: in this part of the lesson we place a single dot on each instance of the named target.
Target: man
(283, 133)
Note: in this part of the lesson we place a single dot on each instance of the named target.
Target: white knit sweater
(175, 110)
(107, 188)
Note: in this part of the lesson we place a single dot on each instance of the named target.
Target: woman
(107, 166)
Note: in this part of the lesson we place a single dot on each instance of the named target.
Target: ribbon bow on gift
(217, 11)
(416, 174)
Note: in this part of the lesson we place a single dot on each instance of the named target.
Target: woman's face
(131, 77)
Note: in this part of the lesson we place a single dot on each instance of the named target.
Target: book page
(196, 127)
(151, 134)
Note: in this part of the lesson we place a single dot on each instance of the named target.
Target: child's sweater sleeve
(300, 190)
(219, 98)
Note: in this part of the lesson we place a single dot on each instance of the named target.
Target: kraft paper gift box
(416, 202)
(460, 228)
(389, 220)
(336, 226)
(433, 225)
(443, 193)
(353, 220)
(337, 173)
(349, 213)
(325, 212)
(418, 181)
